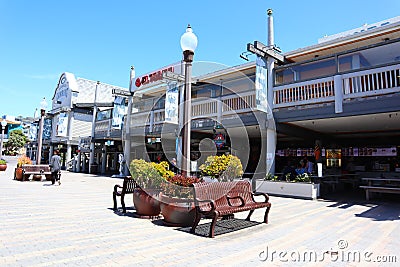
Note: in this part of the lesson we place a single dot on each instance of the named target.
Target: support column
(78, 163)
(68, 155)
(104, 159)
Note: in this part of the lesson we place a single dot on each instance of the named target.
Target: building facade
(335, 102)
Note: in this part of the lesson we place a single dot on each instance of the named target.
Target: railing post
(338, 88)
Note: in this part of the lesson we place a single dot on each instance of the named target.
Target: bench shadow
(221, 227)
(130, 212)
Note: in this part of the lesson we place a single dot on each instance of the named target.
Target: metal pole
(188, 58)
(92, 141)
(127, 146)
(40, 137)
(1, 144)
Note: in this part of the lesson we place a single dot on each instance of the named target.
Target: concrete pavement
(74, 225)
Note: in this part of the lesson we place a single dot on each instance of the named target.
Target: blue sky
(100, 40)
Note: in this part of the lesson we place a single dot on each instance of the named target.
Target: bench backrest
(129, 185)
(36, 168)
(217, 191)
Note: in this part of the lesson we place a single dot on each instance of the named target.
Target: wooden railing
(371, 82)
(319, 90)
(378, 81)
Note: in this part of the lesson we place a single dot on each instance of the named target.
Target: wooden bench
(127, 187)
(379, 189)
(219, 199)
(27, 170)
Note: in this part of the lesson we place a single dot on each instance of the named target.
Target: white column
(92, 142)
(338, 93)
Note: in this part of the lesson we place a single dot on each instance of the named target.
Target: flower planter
(279, 188)
(146, 202)
(19, 174)
(3, 167)
(177, 211)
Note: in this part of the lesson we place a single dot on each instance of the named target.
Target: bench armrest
(116, 187)
(209, 201)
(235, 197)
(260, 194)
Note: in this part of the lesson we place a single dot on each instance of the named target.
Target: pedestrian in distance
(55, 165)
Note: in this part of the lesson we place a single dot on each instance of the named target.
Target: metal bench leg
(123, 203)
(367, 194)
(195, 222)
(212, 226)
(248, 216)
(266, 215)
(115, 200)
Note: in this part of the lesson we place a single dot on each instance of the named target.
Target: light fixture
(189, 40)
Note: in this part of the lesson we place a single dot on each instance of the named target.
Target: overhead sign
(152, 77)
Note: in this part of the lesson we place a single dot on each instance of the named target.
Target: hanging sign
(261, 85)
(219, 140)
(171, 104)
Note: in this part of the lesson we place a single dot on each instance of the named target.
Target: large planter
(19, 174)
(3, 167)
(279, 188)
(146, 202)
(177, 211)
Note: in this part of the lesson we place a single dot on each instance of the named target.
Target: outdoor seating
(381, 185)
(28, 169)
(222, 199)
(127, 187)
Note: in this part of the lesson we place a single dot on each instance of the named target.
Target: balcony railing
(377, 81)
(104, 128)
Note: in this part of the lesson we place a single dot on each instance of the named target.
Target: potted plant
(177, 205)
(21, 161)
(149, 176)
(222, 168)
(301, 186)
(3, 165)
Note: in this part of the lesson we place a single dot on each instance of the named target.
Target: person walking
(55, 165)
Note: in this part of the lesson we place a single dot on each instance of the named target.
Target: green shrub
(2, 162)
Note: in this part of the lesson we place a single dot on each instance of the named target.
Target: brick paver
(73, 224)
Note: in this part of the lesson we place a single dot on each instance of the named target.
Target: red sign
(152, 77)
(219, 140)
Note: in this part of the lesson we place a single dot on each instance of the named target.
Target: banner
(119, 112)
(33, 131)
(47, 129)
(171, 103)
(261, 85)
(62, 125)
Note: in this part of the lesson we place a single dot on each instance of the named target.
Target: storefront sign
(219, 140)
(152, 77)
(63, 93)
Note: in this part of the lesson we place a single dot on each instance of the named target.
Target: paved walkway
(73, 224)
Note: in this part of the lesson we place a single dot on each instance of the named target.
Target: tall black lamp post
(188, 44)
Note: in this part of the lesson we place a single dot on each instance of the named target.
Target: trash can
(93, 168)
